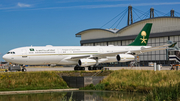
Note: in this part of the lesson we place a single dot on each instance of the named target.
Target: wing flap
(104, 55)
(101, 55)
(79, 57)
(143, 50)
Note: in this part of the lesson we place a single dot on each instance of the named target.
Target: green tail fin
(142, 38)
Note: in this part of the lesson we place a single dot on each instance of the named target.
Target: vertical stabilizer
(142, 38)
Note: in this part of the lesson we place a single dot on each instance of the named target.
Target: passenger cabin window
(10, 52)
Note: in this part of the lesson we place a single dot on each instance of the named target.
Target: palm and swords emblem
(143, 33)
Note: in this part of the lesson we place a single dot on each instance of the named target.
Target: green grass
(31, 81)
(159, 85)
(12, 81)
(140, 80)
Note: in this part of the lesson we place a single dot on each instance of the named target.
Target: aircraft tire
(10, 68)
(76, 68)
(24, 70)
(89, 68)
(82, 68)
(95, 68)
(92, 68)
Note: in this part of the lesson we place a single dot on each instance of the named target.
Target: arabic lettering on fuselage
(70, 49)
(46, 50)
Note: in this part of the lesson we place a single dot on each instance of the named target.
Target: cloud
(71, 1)
(23, 5)
(90, 6)
(108, 6)
(125, 5)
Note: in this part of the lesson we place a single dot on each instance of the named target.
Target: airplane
(83, 56)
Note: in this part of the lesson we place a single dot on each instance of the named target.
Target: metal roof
(114, 32)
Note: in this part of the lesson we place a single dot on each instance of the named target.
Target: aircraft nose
(5, 57)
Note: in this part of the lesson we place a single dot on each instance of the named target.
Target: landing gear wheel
(95, 68)
(89, 68)
(82, 68)
(76, 68)
(79, 68)
(24, 70)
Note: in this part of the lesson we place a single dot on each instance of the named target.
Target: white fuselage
(35, 55)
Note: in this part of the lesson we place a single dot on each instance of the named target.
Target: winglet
(142, 38)
(172, 45)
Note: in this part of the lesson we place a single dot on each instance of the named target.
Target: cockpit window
(10, 52)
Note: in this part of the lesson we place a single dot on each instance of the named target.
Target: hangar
(164, 28)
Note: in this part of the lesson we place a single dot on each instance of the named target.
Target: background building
(164, 28)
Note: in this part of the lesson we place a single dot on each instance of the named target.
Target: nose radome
(5, 57)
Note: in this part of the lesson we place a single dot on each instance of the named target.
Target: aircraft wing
(100, 55)
(104, 55)
(143, 50)
(79, 57)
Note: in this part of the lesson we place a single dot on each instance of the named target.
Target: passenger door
(24, 53)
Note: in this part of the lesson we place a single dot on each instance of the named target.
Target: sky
(55, 22)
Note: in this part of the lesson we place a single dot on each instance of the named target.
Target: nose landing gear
(24, 69)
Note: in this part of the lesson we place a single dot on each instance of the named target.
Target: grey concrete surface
(72, 68)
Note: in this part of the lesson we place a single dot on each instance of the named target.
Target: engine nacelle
(125, 57)
(86, 62)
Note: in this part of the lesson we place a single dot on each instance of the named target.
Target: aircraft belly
(66, 61)
(44, 59)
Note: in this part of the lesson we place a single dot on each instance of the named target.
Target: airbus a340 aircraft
(82, 56)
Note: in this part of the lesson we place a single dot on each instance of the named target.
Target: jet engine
(124, 57)
(86, 62)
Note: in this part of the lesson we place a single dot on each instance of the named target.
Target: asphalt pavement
(72, 68)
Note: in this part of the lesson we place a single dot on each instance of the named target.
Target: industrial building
(164, 28)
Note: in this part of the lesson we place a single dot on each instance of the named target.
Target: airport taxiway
(72, 68)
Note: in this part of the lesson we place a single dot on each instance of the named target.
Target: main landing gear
(79, 68)
(89, 68)
(95, 68)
